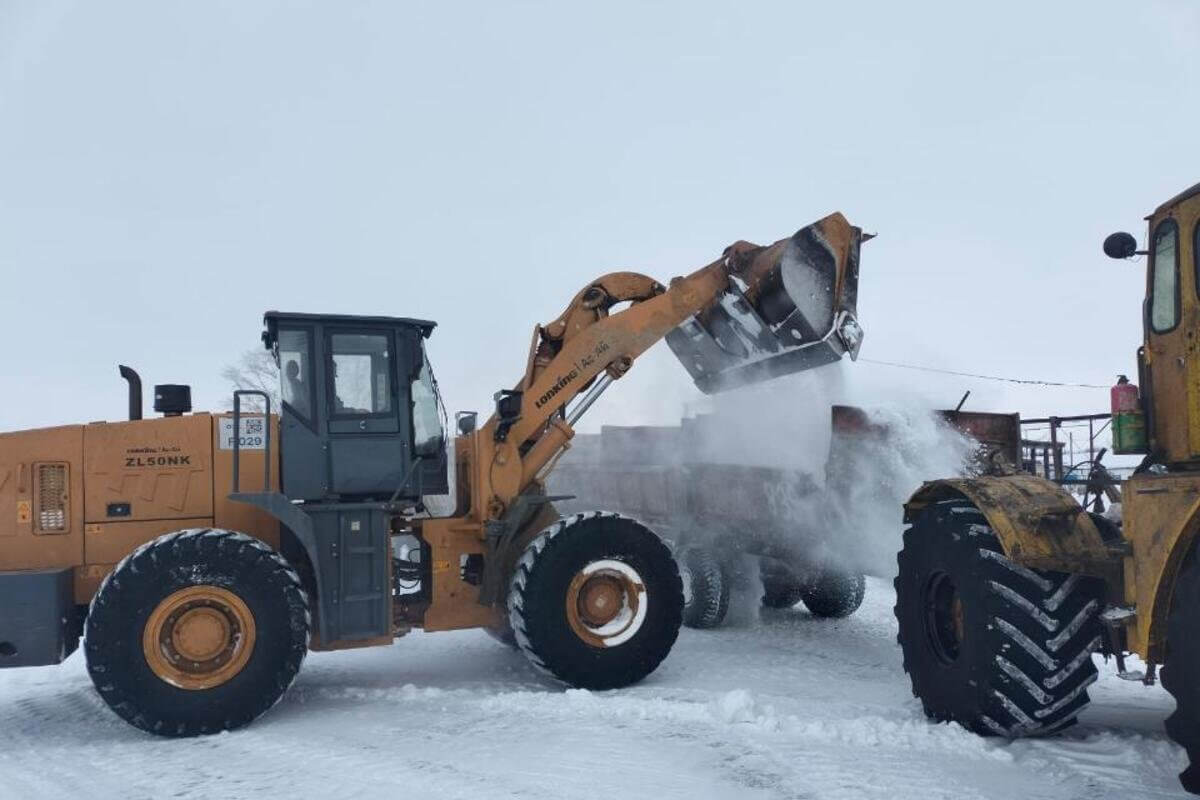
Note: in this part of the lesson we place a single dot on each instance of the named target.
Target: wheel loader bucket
(788, 307)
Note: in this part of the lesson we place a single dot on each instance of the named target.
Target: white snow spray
(760, 472)
(853, 518)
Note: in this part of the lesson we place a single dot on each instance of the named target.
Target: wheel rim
(606, 603)
(199, 637)
(944, 624)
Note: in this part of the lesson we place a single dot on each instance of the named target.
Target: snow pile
(792, 707)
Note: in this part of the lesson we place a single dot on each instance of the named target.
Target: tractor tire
(834, 594)
(596, 601)
(196, 632)
(997, 647)
(782, 588)
(705, 588)
(1181, 668)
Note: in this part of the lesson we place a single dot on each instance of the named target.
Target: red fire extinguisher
(1128, 421)
(1125, 397)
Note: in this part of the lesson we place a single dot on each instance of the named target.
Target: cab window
(295, 370)
(428, 432)
(1196, 255)
(361, 374)
(1164, 278)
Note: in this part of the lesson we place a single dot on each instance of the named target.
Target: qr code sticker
(252, 426)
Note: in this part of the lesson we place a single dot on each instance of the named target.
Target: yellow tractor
(201, 555)
(1007, 585)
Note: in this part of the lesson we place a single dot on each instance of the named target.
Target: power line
(983, 377)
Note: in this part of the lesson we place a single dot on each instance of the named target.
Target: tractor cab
(361, 416)
(1168, 361)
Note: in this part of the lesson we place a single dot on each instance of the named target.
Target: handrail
(237, 437)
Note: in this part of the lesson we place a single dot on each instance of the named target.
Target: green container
(1129, 434)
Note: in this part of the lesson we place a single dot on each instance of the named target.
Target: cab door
(369, 449)
(1172, 322)
(1187, 218)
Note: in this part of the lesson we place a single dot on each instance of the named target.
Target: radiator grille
(52, 497)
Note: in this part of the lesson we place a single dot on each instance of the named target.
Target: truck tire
(782, 596)
(1181, 668)
(997, 647)
(834, 594)
(705, 588)
(782, 588)
(596, 601)
(196, 632)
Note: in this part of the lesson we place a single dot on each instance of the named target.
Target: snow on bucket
(789, 307)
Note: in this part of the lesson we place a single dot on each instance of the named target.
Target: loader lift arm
(753, 314)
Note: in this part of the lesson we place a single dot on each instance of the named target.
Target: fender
(1163, 518)
(1038, 523)
(300, 524)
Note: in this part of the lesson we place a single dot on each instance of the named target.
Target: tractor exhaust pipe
(135, 390)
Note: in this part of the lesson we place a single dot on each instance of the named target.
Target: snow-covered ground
(788, 707)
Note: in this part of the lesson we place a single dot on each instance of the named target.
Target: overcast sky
(168, 171)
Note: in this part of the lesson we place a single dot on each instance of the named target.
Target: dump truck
(729, 524)
(755, 526)
(202, 555)
(1007, 585)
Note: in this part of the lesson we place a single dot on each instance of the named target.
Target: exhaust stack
(789, 307)
(135, 390)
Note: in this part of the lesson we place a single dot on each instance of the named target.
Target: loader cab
(361, 417)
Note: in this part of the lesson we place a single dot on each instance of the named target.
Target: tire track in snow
(829, 716)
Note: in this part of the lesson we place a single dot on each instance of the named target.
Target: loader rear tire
(834, 594)
(196, 632)
(1181, 668)
(596, 601)
(997, 647)
(705, 588)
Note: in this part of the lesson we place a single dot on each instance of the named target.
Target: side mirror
(465, 422)
(1120, 245)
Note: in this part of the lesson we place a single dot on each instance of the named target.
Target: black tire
(999, 648)
(1181, 668)
(541, 583)
(706, 589)
(782, 588)
(834, 594)
(256, 574)
(782, 595)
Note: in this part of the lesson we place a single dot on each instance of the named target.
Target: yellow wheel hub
(199, 637)
(606, 603)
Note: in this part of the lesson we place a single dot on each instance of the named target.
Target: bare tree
(256, 369)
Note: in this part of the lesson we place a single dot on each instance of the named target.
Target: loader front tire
(196, 632)
(705, 588)
(997, 647)
(596, 601)
(1181, 668)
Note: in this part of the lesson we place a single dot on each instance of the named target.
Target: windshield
(428, 415)
(361, 373)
